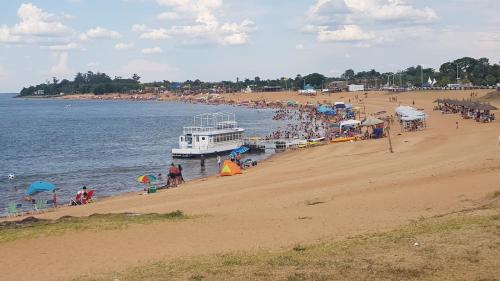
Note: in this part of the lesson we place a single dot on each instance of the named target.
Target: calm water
(104, 145)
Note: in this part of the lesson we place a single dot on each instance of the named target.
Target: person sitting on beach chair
(77, 200)
(87, 198)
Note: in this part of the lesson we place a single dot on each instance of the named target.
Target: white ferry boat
(211, 134)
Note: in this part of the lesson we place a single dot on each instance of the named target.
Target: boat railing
(191, 130)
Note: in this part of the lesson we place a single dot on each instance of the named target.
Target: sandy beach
(342, 189)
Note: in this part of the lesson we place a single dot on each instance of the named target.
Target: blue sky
(217, 40)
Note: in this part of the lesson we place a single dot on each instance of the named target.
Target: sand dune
(342, 190)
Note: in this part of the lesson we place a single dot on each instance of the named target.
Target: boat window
(202, 138)
(197, 139)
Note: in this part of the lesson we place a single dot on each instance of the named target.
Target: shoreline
(226, 100)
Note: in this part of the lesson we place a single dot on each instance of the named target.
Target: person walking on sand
(457, 124)
(54, 199)
(219, 161)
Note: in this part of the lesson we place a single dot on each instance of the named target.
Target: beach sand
(344, 189)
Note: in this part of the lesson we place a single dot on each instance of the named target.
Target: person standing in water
(181, 178)
(219, 161)
(202, 161)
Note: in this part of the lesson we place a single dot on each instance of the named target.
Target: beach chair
(12, 209)
(40, 206)
(89, 197)
(77, 200)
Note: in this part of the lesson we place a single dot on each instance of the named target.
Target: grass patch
(464, 247)
(32, 227)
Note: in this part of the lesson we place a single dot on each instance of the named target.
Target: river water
(104, 145)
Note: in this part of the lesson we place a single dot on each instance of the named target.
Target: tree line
(90, 82)
(466, 70)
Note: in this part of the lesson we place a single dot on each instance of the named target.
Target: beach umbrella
(240, 150)
(371, 121)
(146, 178)
(39, 186)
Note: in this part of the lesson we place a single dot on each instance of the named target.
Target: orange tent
(229, 168)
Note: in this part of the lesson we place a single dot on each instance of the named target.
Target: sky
(214, 40)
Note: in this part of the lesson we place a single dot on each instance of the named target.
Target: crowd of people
(467, 109)
(174, 175)
(307, 122)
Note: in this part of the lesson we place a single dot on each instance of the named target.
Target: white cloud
(390, 10)
(36, 22)
(342, 20)
(310, 28)
(149, 70)
(153, 50)
(347, 33)
(6, 35)
(299, 47)
(65, 47)
(235, 39)
(124, 46)
(100, 33)
(200, 20)
(354, 11)
(61, 68)
(168, 16)
(155, 34)
(139, 28)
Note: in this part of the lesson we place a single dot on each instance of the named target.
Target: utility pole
(388, 129)
(421, 76)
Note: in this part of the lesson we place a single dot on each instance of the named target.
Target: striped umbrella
(146, 178)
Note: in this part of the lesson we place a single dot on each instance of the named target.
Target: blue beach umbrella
(240, 150)
(39, 186)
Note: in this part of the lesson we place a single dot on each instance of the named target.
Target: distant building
(154, 90)
(337, 86)
(39, 92)
(356, 88)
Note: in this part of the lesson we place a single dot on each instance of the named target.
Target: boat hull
(211, 151)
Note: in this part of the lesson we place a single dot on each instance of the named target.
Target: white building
(356, 88)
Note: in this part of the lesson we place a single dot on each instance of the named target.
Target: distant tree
(315, 79)
(136, 77)
(348, 74)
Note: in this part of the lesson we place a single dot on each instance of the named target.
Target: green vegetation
(464, 247)
(477, 72)
(31, 228)
(97, 83)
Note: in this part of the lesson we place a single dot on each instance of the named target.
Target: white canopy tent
(408, 113)
(349, 123)
(410, 118)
